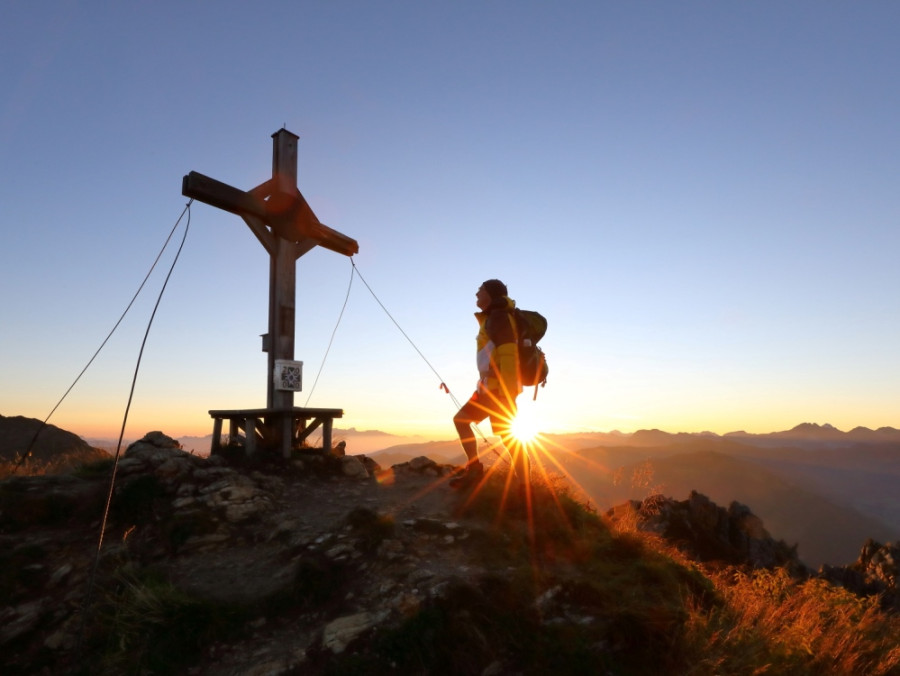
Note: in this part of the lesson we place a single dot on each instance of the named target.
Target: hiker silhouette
(498, 385)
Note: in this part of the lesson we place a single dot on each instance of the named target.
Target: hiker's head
(489, 291)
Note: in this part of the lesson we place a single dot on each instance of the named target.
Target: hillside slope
(825, 531)
(49, 445)
(328, 565)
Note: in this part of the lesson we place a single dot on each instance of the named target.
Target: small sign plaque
(288, 375)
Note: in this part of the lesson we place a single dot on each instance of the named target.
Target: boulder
(340, 632)
(708, 532)
(875, 572)
(354, 467)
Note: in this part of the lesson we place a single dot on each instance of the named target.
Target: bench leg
(216, 444)
(286, 432)
(326, 435)
(250, 436)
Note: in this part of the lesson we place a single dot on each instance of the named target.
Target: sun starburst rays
(528, 485)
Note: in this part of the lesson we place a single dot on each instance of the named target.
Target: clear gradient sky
(702, 197)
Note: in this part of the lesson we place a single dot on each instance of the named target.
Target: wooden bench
(274, 428)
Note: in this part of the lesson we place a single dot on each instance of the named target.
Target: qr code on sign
(290, 377)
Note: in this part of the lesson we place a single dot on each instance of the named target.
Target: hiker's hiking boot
(471, 477)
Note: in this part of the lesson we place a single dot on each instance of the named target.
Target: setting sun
(525, 427)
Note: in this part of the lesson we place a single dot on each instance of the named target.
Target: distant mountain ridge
(803, 432)
(812, 432)
(373, 441)
(360, 441)
(19, 435)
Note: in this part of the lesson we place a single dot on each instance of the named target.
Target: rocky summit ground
(376, 550)
(330, 564)
(307, 556)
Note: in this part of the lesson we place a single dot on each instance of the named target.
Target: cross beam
(289, 215)
(286, 226)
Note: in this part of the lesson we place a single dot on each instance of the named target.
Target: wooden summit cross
(287, 228)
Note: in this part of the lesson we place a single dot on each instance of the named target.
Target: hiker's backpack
(531, 327)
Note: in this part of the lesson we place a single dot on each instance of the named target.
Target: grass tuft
(145, 625)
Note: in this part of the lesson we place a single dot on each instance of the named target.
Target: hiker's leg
(472, 412)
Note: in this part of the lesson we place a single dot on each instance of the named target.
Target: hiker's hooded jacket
(497, 353)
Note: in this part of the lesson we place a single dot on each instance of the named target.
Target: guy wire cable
(112, 480)
(331, 341)
(41, 427)
(409, 340)
(443, 383)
